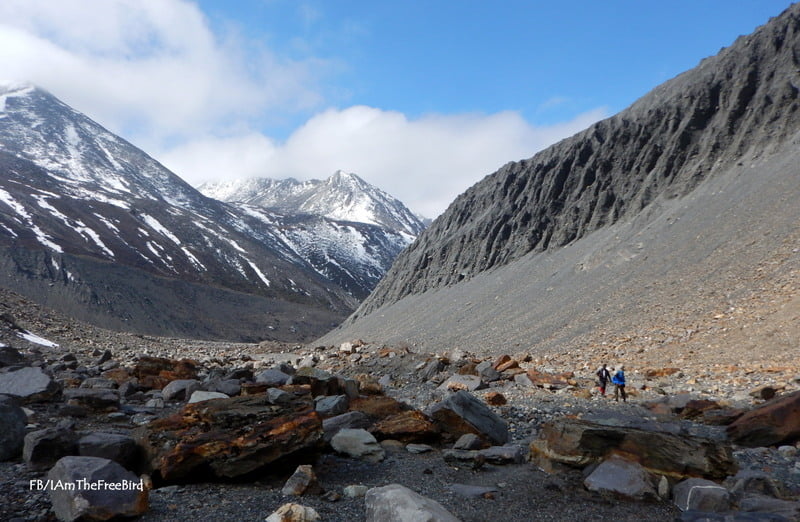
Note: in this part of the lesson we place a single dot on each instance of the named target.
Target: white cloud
(425, 162)
(154, 72)
(150, 68)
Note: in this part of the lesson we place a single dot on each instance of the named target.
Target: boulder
(157, 372)
(550, 381)
(303, 480)
(200, 396)
(499, 455)
(406, 426)
(332, 405)
(293, 513)
(111, 491)
(769, 507)
(494, 398)
(122, 449)
(469, 441)
(620, 477)
(91, 399)
(30, 384)
(351, 419)
(396, 503)
(230, 387)
(487, 372)
(659, 447)
(359, 444)
(462, 413)
(228, 437)
(43, 448)
(773, 423)
(10, 356)
(696, 494)
(180, 389)
(12, 434)
(272, 377)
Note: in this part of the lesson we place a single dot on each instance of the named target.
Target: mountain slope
(579, 237)
(91, 224)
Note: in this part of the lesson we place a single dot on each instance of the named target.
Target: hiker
(603, 376)
(619, 384)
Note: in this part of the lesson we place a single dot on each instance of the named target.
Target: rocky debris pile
(294, 416)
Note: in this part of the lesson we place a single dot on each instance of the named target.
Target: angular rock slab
(12, 433)
(43, 448)
(122, 449)
(772, 423)
(407, 426)
(103, 490)
(462, 413)
(580, 442)
(396, 503)
(621, 477)
(30, 384)
(698, 494)
(228, 437)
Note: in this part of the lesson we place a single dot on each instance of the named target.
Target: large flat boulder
(157, 372)
(95, 489)
(620, 477)
(228, 437)
(30, 384)
(462, 413)
(655, 446)
(774, 422)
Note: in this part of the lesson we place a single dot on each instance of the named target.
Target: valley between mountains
(301, 351)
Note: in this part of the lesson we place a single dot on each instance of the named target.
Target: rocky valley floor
(529, 391)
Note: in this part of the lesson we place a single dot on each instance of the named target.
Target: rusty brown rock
(494, 398)
(407, 426)
(378, 406)
(549, 380)
(698, 407)
(157, 372)
(368, 384)
(119, 375)
(503, 359)
(660, 447)
(654, 373)
(508, 365)
(774, 422)
(227, 437)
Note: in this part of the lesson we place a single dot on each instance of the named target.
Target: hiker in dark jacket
(619, 384)
(603, 376)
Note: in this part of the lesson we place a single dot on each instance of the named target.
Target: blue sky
(422, 99)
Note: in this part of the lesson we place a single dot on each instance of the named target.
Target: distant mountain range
(93, 226)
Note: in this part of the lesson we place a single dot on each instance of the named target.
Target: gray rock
(276, 396)
(30, 384)
(43, 448)
(99, 382)
(355, 491)
(487, 372)
(396, 503)
(618, 476)
(272, 377)
(468, 441)
(230, 387)
(500, 455)
(351, 419)
(331, 405)
(122, 449)
(418, 448)
(431, 370)
(747, 482)
(101, 503)
(462, 413)
(200, 396)
(358, 443)
(10, 357)
(696, 494)
(180, 389)
(12, 433)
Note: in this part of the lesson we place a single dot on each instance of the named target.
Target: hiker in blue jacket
(619, 384)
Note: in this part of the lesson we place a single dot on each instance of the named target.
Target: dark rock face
(227, 437)
(12, 435)
(462, 413)
(615, 168)
(775, 422)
